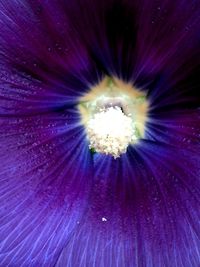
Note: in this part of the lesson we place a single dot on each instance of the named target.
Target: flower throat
(114, 114)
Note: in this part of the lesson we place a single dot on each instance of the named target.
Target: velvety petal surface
(45, 179)
(62, 205)
(142, 214)
(45, 168)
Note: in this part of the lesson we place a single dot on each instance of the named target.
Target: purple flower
(65, 203)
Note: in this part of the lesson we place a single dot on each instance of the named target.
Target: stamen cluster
(110, 131)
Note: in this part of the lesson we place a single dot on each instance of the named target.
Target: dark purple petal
(43, 63)
(59, 203)
(143, 211)
(44, 190)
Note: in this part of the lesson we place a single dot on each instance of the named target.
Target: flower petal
(143, 212)
(43, 64)
(57, 203)
(44, 190)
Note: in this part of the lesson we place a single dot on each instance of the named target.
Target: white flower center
(114, 114)
(110, 131)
